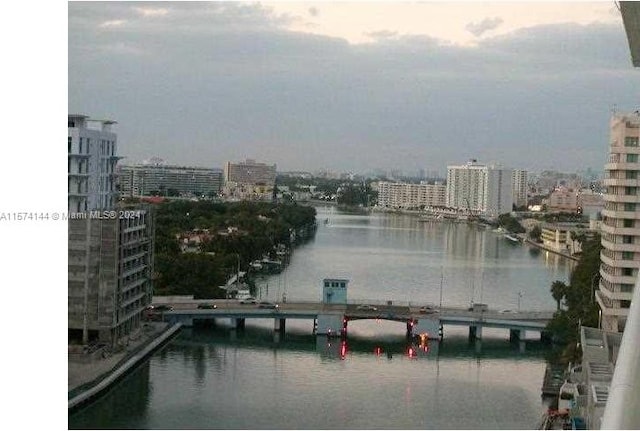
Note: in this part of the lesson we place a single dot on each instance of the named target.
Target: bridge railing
(621, 410)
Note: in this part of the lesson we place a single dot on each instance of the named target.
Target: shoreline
(87, 381)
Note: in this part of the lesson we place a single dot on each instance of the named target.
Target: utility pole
(441, 280)
(519, 296)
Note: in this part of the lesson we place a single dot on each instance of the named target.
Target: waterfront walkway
(87, 376)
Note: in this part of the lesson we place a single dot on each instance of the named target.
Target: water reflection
(399, 257)
(124, 406)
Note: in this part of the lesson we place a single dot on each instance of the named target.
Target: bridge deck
(525, 320)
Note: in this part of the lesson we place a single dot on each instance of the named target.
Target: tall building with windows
(520, 187)
(169, 180)
(620, 255)
(110, 247)
(406, 195)
(482, 189)
(250, 172)
(91, 164)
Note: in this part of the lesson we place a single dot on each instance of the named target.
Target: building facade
(406, 195)
(620, 255)
(110, 276)
(480, 189)
(91, 165)
(110, 246)
(520, 182)
(250, 172)
(563, 199)
(169, 180)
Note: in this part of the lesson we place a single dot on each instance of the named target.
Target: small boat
(511, 238)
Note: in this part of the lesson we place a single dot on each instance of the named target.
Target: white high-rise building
(110, 245)
(481, 189)
(405, 195)
(91, 164)
(520, 187)
(620, 255)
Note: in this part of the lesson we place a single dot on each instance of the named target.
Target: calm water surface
(216, 378)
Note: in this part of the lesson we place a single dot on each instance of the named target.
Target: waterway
(214, 378)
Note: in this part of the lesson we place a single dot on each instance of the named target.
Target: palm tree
(558, 291)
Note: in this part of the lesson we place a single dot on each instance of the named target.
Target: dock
(553, 379)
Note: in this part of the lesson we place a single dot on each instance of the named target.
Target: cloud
(226, 82)
(487, 24)
(147, 11)
(382, 34)
(113, 23)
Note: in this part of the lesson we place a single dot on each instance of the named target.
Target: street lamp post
(593, 289)
(519, 296)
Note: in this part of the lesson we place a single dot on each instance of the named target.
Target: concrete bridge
(333, 319)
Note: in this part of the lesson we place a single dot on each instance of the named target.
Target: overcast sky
(354, 86)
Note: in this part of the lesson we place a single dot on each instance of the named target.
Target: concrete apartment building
(250, 172)
(146, 180)
(620, 256)
(110, 276)
(563, 199)
(249, 180)
(91, 164)
(405, 195)
(110, 247)
(481, 189)
(520, 182)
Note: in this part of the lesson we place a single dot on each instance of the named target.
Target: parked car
(249, 300)
(162, 307)
(507, 311)
(367, 307)
(207, 306)
(267, 304)
(427, 309)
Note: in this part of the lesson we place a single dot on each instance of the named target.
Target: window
(625, 304)
(627, 272)
(628, 222)
(629, 206)
(632, 158)
(626, 288)
(69, 144)
(631, 175)
(81, 147)
(629, 191)
(627, 255)
(627, 239)
(630, 141)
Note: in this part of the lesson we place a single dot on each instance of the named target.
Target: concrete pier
(279, 325)
(475, 332)
(237, 323)
(515, 335)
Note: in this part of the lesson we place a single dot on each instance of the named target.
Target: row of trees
(258, 227)
(576, 303)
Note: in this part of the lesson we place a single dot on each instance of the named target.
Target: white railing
(621, 411)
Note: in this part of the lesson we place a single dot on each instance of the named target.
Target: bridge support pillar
(522, 345)
(410, 324)
(545, 337)
(515, 335)
(237, 323)
(330, 325)
(475, 332)
(279, 325)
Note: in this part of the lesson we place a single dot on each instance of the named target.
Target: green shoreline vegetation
(576, 304)
(230, 236)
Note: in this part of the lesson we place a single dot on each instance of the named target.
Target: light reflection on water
(221, 379)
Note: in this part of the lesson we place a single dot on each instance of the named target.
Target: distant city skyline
(529, 86)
